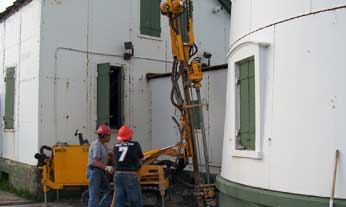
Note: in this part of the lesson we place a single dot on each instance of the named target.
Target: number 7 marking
(123, 151)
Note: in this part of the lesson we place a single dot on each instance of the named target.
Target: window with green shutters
(110, 95)
(9, 98)
(246, 85)
(150, 17)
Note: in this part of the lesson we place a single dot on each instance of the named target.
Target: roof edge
(16, 6)
(227, 5)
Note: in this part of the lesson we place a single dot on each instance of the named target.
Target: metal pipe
(45, 199)
(204, 138)
(163, 201)
(150, 76)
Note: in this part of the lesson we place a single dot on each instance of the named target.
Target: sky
(5, 3)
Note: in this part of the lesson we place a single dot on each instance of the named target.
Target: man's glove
(109, 169)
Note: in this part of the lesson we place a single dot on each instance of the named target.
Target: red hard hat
(104, 129)
(125, 133)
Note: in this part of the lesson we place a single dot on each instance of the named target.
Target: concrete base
(236, 195)
(22, 176)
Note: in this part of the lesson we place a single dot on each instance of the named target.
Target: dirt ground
(174, 199)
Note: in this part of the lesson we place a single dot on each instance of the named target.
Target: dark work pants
(127, 187)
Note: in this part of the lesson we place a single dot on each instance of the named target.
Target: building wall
(93, 32)
(68, 50)
(299, 98)
(19, 48)
(212, 28)
(164, 131)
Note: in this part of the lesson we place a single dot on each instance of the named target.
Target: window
(247, 113)
(150, 17)
(244, 97)
(110, 95)
(9, 98)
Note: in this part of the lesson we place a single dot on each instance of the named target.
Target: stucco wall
(19, 48)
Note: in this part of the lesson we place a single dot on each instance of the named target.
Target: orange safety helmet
(104, 129)
(125, 133)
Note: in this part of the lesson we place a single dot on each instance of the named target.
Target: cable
(195, 48)
(171, 22)
(176, 96)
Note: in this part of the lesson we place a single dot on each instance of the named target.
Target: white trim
(247, 153)
(241, 52)
(149, 37)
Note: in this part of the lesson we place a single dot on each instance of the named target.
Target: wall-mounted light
(207, 55)
(128, 46)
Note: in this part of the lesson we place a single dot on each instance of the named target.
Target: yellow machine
(187, 72)
(65, 166)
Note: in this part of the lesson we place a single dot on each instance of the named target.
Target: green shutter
(9, 98)
(247, 105)
(150, 14)
(103, 93)
(252, 106)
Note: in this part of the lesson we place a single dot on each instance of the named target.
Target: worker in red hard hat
(96, 171)
(127, 158)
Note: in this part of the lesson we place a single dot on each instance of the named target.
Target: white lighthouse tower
(286, 104)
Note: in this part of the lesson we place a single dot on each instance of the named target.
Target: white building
(285, 114)
(63, 62)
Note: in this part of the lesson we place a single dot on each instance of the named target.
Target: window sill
(149, 37)
(247, 154)
(8, 130)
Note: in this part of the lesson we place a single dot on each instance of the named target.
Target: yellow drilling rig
(187, 70)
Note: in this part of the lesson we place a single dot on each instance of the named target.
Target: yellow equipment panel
(70, 163)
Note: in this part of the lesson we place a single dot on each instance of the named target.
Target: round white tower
(286, 104)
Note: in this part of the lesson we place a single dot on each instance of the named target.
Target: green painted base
(236, 195)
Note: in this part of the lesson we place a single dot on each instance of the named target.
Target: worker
(96, 171)
(127, 158)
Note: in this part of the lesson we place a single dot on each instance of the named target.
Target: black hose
(171, 22)
(193, 50)
(176, 96)
(45, 147)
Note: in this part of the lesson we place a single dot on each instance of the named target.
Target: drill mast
(187, 70)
